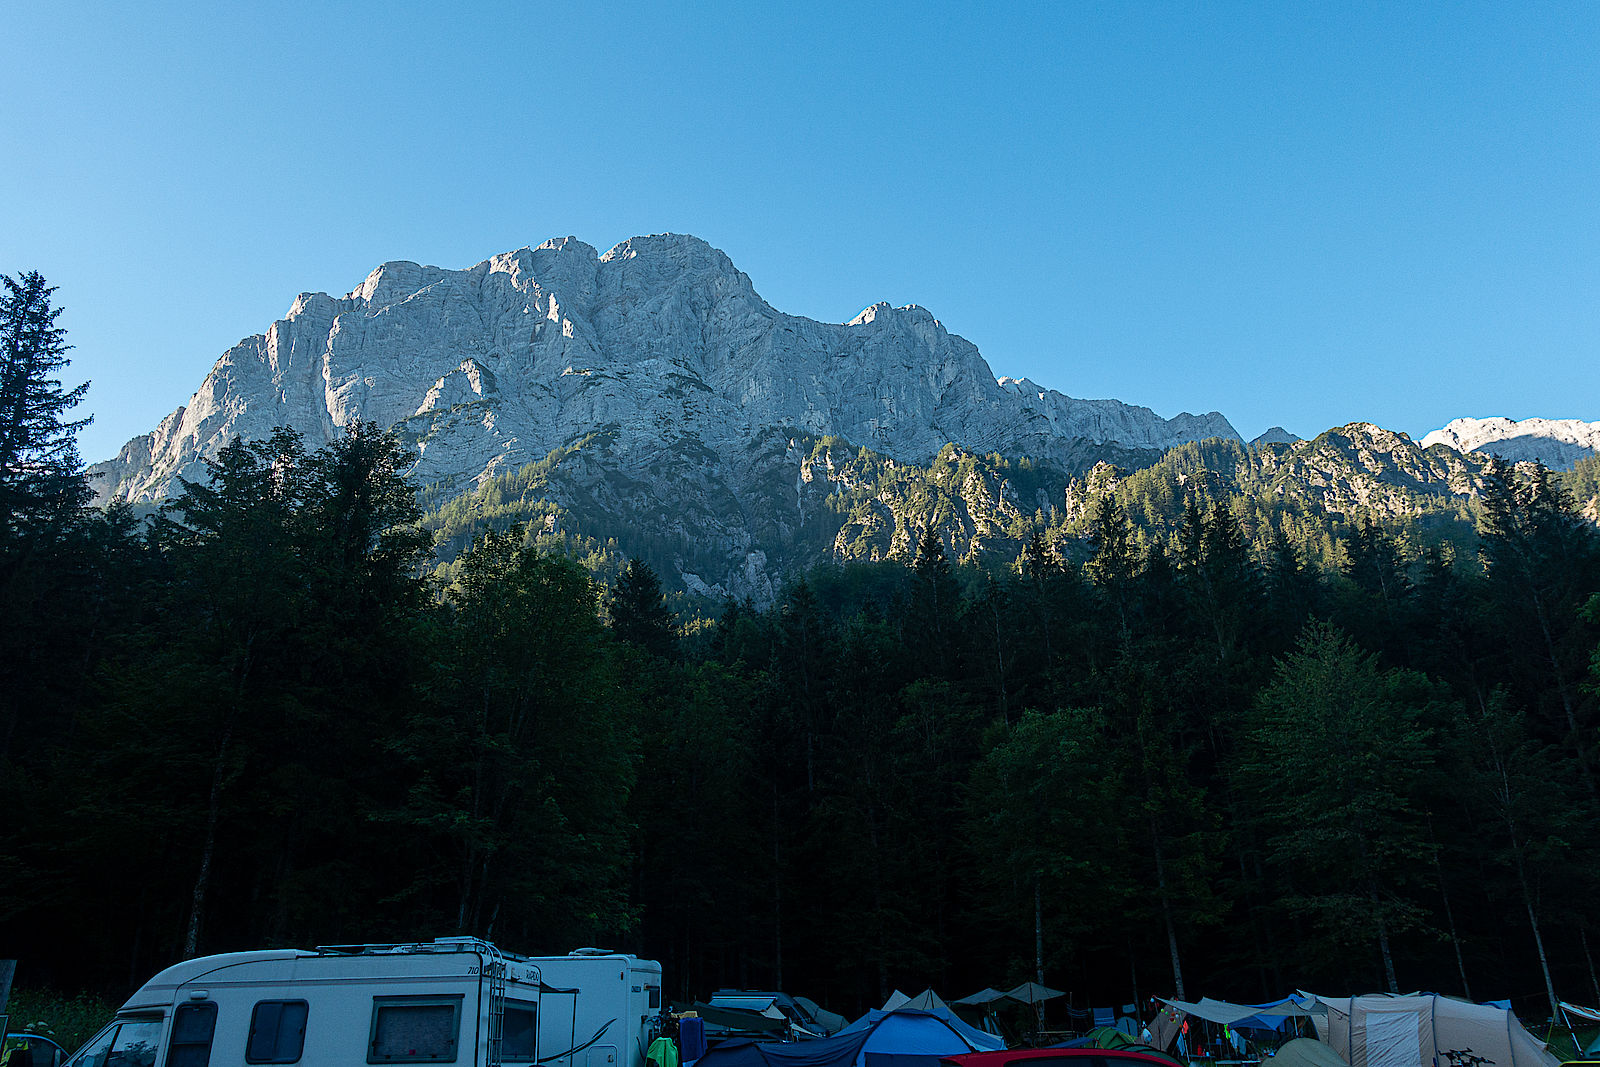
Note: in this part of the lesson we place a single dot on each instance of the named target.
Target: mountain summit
(660, 344)
(1557, 443)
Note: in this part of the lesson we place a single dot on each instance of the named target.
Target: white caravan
(600, 1009)
(455, 1000)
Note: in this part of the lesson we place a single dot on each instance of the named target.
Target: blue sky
(1304, 213)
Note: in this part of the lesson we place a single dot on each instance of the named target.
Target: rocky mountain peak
(1557, 443)
(661, 346)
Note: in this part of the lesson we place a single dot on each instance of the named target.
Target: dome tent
(900, 1038)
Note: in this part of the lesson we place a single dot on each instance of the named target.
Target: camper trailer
(454, 1000)
(600, 1008)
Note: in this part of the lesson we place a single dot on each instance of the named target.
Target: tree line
(1202, 764)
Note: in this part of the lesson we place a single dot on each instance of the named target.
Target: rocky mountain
(660, 343)
(1557, 443)
(647, 402)
(1277, 435)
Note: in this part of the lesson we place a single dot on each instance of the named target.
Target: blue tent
(929, 1001)
(903, 1038)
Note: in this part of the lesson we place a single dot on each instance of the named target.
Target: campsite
(466, 1001)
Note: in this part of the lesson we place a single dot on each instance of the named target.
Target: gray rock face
(658, 342)
(1557, 443)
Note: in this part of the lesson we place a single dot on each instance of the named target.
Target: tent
(1305, 1052)
(902, 1038)
(1109, 1037)
(1424, 1030)
(828, 1022)
(928, 1001)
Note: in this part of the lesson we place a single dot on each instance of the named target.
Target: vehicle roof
(190, 970)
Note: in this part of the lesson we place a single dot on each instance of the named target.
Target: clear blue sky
(1295, 213)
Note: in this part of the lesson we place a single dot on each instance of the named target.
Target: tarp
(1230, 1014)
(902, 1033)
(1305, 1052)
(982, 997)
(741, 1019)
(1577, 1011)
(1165, 1026)
(1425, 1030)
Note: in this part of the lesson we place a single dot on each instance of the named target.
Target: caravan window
(192, 1027)
(519, 1041)
(277, 1032)
(414, 1029)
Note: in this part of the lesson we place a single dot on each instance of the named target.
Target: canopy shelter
(902, 1038)
(1032, 993)
(1423, 1030)
(983, 998)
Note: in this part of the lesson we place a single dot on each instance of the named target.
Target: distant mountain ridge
(661, 340)
(1557, 443)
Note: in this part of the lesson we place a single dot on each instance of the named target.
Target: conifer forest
(1216, 759)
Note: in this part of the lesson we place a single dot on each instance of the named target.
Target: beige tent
(1304, 1052)
(1427, 1031)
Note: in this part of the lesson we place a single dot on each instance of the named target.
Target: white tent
(1424, 1030)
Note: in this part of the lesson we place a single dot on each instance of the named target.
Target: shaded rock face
(659, 339)
(1557, 443)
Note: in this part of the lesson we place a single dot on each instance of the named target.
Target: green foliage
(68, 1020)
(1341, 758)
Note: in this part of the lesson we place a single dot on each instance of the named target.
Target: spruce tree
(41, 476)
(639, 612)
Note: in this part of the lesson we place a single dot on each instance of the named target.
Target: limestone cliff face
(1557, 443)
(660, 344)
